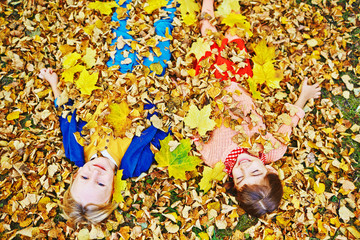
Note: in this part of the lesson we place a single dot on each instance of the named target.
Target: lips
(99, 166)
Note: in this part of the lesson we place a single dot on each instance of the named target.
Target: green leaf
(178, 161)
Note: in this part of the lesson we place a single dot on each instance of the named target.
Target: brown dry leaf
(315, 38)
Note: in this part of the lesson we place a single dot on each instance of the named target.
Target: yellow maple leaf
(89, 58)
(263, 69)
(68, 74)
(200, 119)
(199, 48)
(263, 72)
(263, 53)
(119, 186)
(212, 174)
(239, 20)
(86, 82)
(70, 59)
(187, 10)
(103, 7)
(154, 4)
(226, 7)
(118, 117)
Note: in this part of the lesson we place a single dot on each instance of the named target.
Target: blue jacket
(138, 157)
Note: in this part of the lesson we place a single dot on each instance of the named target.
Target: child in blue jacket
(89, 195)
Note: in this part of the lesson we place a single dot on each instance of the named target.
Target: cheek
(109, 178)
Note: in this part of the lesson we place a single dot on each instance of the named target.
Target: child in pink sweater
(255, 184)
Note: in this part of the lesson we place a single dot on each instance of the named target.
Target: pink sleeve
(296, 114)
(218, 147)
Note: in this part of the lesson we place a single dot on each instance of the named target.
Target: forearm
(208, 7)
(55, 90)
(301, 102)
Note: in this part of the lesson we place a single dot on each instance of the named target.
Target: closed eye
(84, 177)
(256, 173)
(102, 185)
(239, 179)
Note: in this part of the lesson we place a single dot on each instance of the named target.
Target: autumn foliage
(287, 40)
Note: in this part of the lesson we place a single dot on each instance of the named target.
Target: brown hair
(77, 213)
(257, 199)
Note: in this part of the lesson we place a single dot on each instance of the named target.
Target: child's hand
(308, 92)
(49, 75)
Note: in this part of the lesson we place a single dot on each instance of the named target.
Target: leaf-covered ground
(320, 172)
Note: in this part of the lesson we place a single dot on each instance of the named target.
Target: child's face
(249, 170)
(93, 183)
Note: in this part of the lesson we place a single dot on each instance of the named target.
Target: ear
(271, 169)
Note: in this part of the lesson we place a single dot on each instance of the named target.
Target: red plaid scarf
(233, 155)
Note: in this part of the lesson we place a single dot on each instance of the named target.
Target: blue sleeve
(139, 157)
(73, 150)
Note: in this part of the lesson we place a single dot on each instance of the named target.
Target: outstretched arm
(73, 150)
(307, 92)
(52, 78)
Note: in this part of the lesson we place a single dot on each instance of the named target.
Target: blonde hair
(78, 213)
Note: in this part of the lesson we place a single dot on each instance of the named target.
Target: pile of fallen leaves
(317, 39)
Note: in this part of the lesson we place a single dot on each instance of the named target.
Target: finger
(41, 76)
(305, 81)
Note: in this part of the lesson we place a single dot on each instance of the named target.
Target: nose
(94, 171)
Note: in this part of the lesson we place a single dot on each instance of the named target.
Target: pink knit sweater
(221, 144)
